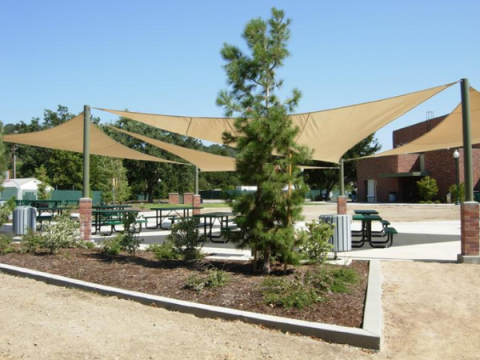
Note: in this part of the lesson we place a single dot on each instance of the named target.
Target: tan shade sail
(446, 135)
(69, 136)
(205, 161)
(330, 133)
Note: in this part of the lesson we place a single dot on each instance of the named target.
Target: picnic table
(366, 212)
(163, 213)
(222, 219)
(367, 234)
(113, 217)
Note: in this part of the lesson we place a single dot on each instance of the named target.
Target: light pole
(456, 156)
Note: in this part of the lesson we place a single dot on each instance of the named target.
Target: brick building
(393, 178)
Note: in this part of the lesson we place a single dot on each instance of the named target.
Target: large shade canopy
(330, 133)
(69, 136)
(203, 160)
(446, 135)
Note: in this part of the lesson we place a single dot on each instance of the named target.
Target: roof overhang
(404, 174)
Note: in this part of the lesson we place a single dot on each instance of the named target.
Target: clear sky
(163, 56)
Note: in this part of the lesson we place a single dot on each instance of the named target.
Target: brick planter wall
(197, 201)
(188, 198)
(173, 198)
(469, 219)
(342, 205)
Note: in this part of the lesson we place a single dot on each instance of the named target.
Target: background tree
(327, 179)
(42, 188)
(113, 180)
(145, 175)
(263, 128)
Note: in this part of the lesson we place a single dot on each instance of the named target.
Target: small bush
(6, 245)
(315, 242)
(309, 289)
(342, 278)
(461, 192)
(186, 239)
(165, 251)
(213, 278)
(112, 246)
(30, 242)
(63, 233)
(288, 293)
(427, 188)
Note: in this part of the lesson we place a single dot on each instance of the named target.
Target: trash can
(392, 197)
(24, 218)
(342, 236)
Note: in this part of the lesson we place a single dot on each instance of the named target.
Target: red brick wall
(188, 198)
(409, 133)
(173, 198)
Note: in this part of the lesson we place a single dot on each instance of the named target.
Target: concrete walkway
(424, 240)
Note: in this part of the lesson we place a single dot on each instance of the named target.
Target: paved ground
(431, 310)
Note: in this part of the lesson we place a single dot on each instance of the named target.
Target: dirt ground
(392, 212)
(431, 311)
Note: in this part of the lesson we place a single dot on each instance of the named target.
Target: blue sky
(164, 56)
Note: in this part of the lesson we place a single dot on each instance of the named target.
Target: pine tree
(264, 136)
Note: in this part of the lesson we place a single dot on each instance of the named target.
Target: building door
(371, 191)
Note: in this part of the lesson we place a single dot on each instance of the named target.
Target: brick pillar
(469, 216)
(86, 219)
(197, 201)
(342, 205)
(188, 198)
(173, 198)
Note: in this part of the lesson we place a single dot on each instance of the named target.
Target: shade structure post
(467, 141)
(341, 179)
(86, 151)
(195, 181)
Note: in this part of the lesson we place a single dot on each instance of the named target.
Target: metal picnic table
(162, 213)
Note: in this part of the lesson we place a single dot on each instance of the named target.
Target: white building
(21, 188)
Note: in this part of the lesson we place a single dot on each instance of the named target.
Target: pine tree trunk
(266, 261)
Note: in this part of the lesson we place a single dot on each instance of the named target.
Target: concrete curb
(367, 337)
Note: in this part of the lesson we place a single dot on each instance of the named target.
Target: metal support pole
(457, 180)
(467, 141)
(195, 181)
(341, 179)
(86, 151)
(14, 147)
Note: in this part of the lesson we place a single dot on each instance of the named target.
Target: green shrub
(315, 241)
(130, 241)
(461, 192)
(165, 251)
(6, 245)
(30, 242)
(309, 289)
(62, 233)
(342, 278)
(427, 188)
(213, 278)
(186, 239)
(112, 246)
(288, 293)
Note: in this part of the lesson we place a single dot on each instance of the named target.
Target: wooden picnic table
(162, 213)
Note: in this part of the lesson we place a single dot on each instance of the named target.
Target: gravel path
(431, 311)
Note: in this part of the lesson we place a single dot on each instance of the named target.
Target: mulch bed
(145, 274)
